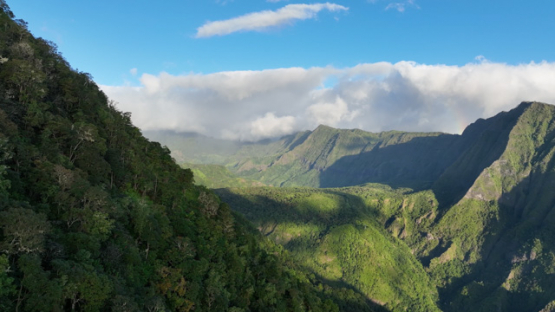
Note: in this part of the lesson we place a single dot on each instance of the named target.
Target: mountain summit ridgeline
(477, 209)
(329, 157)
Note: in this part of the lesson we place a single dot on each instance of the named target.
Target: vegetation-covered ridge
(339, 234)
(328, 157)
(325, 157)
(483, 232)
(218, 176)
(94, 217)
(499, 235)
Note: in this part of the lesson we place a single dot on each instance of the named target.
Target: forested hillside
(497, 240)
(339, 235)
(94, 217)
(483, 231)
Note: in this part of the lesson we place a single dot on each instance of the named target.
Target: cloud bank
(258, 21)
(252, 105)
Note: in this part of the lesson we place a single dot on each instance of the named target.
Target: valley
(471, 221)
(99, 214)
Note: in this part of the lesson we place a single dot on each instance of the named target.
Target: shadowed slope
(340, 238)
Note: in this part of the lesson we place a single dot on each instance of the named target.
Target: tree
(7, 288)
(209, 203)
(4, 155)
(24, 231)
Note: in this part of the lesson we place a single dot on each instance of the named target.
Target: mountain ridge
(95, 217)
(481, 226)
(329, 157)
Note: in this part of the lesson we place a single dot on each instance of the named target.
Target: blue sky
(108, 38)
(168, 56)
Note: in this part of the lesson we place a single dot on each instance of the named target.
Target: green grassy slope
(326, 157)
(492, 248)
(199, 149)
(194, 148)
(503, 226)
(338, 234)
(334, 157)
(483, 233)
(217, 176)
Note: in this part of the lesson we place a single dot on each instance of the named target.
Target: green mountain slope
(338, 234)
(94, 217)
(488, 244)
(217, 176)
(503, 226)
(332, 157)
(325, 157)
(328, 157)
(483, 231)
(194, 148)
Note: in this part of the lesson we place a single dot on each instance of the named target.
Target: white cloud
(133, 71)
(401, 6)
(251, 105)
(270, 126)
(258, 21)
(396, 6)
(330, 113)
(223, 2)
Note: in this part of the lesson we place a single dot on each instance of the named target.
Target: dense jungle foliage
(94, 217)
(339, 235)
